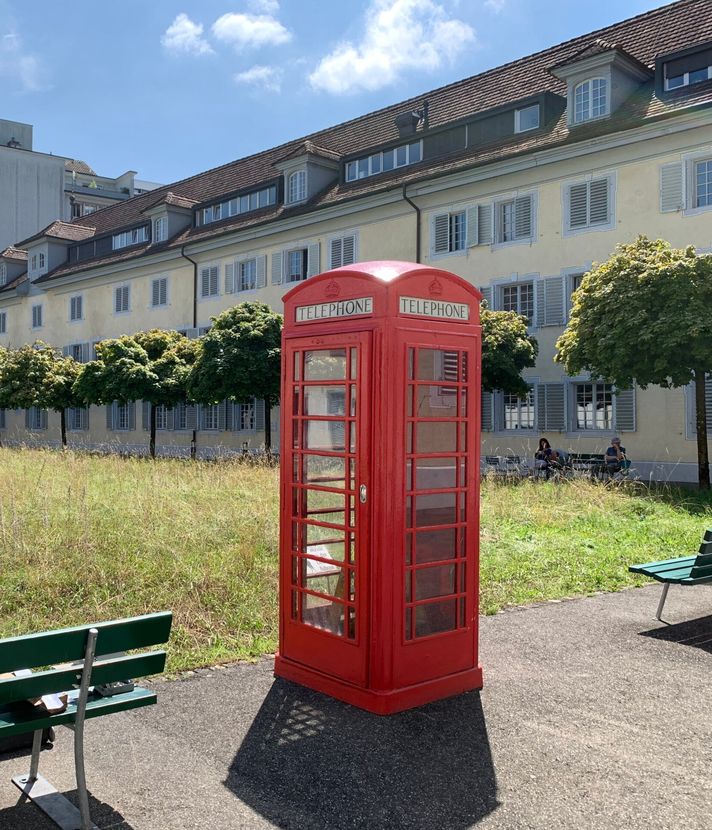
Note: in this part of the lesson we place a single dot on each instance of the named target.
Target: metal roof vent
(408, 122)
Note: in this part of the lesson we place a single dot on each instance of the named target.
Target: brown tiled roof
(313, 149)
(169, 198)
(14, 283)
(14, 253)
(599, 47)
(63, 230)
(78, 166)
(644, 37)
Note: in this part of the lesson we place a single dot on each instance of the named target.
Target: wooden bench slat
(665, 564)
(700, 571)
(68, 644)
(22, 719)
(61, 680)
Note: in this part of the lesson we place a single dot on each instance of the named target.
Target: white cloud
(267, 78)
(495, 6)
(400, 35)
(246, 30)
(185, 36)
(264, 6)
(20, 66)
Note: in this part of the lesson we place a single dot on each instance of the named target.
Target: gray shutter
(110, 416)
(551, 407)
(578, 205)
(27, 418)
(484, 224)
(84, 418)
(259, 414)
(222, 418)
(487, 296)
(441, 233)
(487, 411)
(472, 227)
(260, 271)
(229, 415)
(65, 351)
(230, 278)
(625, 410)
(277, 268)
(599, 208)
(550, 301)
(44, 419)
(523, 217)
(335, 253)
(146, 415)
(314, 259)
(348, 250)
(671, 187)
(205, 282)
(171, 418)
(156, 292)
(86, 352)
(132, 415)
(191, 416)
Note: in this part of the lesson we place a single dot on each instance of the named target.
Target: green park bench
(686, 570)
(94, 674)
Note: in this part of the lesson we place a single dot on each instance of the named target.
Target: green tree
(39, 375)
(645, 317)
(151, 366)
(507, 349)
(239, 359)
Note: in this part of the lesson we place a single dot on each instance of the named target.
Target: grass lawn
(87, 538)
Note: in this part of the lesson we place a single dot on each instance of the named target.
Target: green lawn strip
(86, 538)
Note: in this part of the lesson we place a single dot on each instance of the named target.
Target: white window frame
(501, 414)
(209, 415)
(693, 184)
(297, 186)
(160, 229)
(246, 413)
(455, 216)
(304, 272)
(121, 421)
(126, 239)
(566, 204)
(518, 286)
(38, 419)
(518, 117)
(159, 280)
(574, 428)
(37, 316)
(76, 299)
(377, 163)
(685, 79)
(245, 281)
(498, 205)
(33, 262)
(589, 115)
(76, 415)
(126, 287)
(161, 417)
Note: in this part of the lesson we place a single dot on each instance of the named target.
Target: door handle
(362, 494)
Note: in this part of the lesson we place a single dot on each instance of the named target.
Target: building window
(247, 275)
(590, 100)
(121, 299)
(3, 273)
(692, 69)
(76, 352)
(703, 183)
(160, 229)
(3, 423)
(33, 262)
(518, 412)
(161, 417)
(526, 118)
(589, 204)
(76, 311)
(514, 219)
(449, 232)
(36, 419)
(159, 292)
(122, 417)
(297, 265)
(210, 281)
(384, 162)
(245, 414)
(209, 415)
(133, 237)
(42, 261)
(342, 251)
(37, 316)
(239, 204)
(594, 406)
(519, 298)
(180, 416)
(3, 322)
(297, 186)
(77, 419)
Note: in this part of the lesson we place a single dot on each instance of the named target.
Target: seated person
(615, 457)
(546, 457)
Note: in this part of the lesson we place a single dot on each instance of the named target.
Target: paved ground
(593, 715)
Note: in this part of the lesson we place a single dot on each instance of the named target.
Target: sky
(169, 89)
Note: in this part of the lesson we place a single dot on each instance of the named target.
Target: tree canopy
(645, 316)
(507, 349)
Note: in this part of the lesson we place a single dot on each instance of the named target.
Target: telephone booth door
(325, 487)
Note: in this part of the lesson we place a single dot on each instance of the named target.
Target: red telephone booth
(380, 485)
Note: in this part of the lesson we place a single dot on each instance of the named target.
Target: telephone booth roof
(387, 283)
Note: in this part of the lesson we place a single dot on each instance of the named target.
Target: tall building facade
(518, 179)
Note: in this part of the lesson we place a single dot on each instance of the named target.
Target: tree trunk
(63, 426)
(268, 427)
(703, 458)
(152, 426)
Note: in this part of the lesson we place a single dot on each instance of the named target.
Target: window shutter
(65, 351)
(171, 419)
(191, 416)
(625, 410)
(487, 295)
(551, 407)
(86, 352)
(84, 418)
(599, 212)
(441, 233)
(348, 250)
(277, 268)
(44, 418)
(156, 292)
(550, 301)
(214, 280)
(260, 271)
(222, 416)
(146, 415)
(484, 224)
(671, 187)
(117, 300)
(259, 414)
(204, 282)
(132, 415)
(229, 415)
(335, 253)
(110, 408)
(578, 201)
(472, 229)
(523, 217)
(230, 278)
(487, 411)
(314, 259)
(28, 418)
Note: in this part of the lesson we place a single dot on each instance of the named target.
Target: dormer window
(688, 70)
(297, 186)
(526, 118)
(255, 200)
(590, 100)
(3, 273)
(160, 229)
(133, 237)
(385, 161)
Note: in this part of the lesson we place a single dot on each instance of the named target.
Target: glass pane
(322, 577)
(324, 400)
(437, 364)
(435, 582)
(324, 435)
(436, 402)
(326, 549)
(408, 623)
(323, 502)
(323, 613)
(408, 548)
(295, 433)
(354, 364)
(319, 469)
(325, 364)
(435, 617)
(353, 400)
(435, 473)
(315, 534)
(438, 436)
(411, 362)
(435, 509)
(435, 545)
(351, 634)
(409, 430)
(295, 399)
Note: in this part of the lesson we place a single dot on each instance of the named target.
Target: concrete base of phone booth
(380, 703)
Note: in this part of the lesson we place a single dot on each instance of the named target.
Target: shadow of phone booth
(379, 536)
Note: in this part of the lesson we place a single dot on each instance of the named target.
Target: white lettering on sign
(434, 308)
(338, 308)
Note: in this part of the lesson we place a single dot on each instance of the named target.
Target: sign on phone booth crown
(379, 519)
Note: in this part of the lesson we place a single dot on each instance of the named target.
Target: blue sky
(173, 88)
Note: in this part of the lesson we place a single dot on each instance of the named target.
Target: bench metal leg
(663, 597)
(79, 730)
